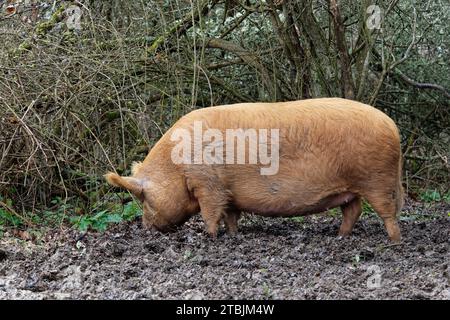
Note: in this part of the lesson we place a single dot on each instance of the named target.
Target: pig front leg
(231, 221)
(212, 212)
(212, 196)
(212, 202)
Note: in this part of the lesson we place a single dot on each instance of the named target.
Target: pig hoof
(231, 235)
(396, 241)
(344, 234)
(212, 231)
(212, 235)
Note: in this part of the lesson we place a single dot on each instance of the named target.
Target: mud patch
(271, 258)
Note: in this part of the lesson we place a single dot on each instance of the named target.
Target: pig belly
(292, 208)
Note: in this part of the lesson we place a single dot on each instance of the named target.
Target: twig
(411, 45)
(423, 85)
(12, 211)
(249, 58)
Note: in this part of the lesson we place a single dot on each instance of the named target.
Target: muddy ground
(271, 258)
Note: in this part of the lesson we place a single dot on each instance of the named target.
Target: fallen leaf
(24, 235)
(11, 9)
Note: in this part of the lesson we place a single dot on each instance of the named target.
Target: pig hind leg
(350, 214)
(384, 204)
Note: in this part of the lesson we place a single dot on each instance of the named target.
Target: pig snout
(154, 222)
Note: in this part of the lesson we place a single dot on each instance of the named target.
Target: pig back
(325, 147)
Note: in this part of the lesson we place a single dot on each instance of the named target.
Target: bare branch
(411, 45)
(250, 59)
(341, 45)
(423, 85)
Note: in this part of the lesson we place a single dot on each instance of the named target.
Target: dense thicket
(88, 86)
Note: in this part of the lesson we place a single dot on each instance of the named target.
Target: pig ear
(131, 184)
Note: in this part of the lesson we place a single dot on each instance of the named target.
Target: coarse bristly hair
(333, 152)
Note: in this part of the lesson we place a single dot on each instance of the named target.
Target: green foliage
(7, 218)
(367, 208)
(67, 213)
(188, 255)
(45, 26)
(335, 212)
(101, 220)
(298, 219)
(356, 259)
(434, 196)
(98, 221)
(267, 291)
(131, 211)
(38, 218)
